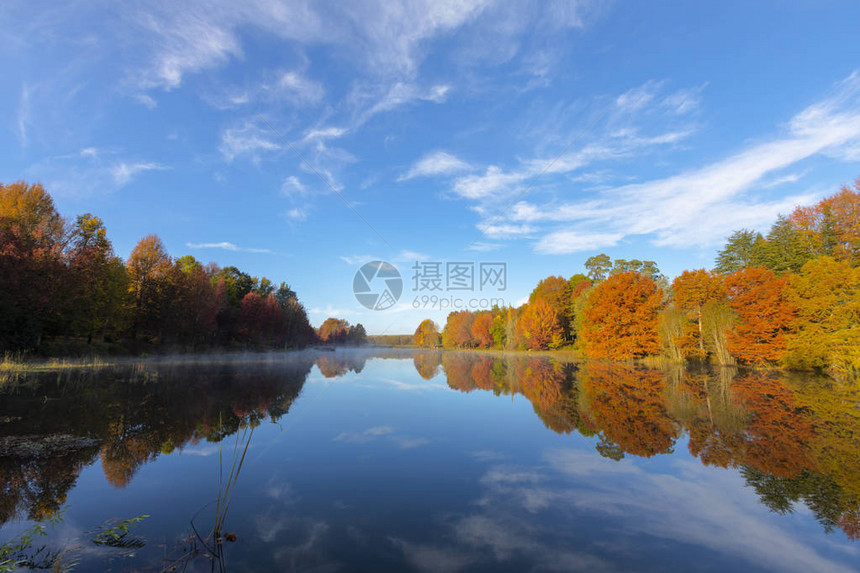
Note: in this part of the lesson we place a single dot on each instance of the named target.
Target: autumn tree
(148, 268)
(826, 331)
(832, 226)
(539, 326)
(621, 317)
(458, 330)
(427, 334)
(333, 331)
(693, 290)
(32, 272)
(764, 315)
(580, 287)
(481, 327)
(556, 292)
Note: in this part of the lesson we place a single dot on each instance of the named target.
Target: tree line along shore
(790, 299)
(63, 291)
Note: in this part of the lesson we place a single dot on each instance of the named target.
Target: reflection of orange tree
(715, 422)
(546, 383)
(779, 428)
(427, 364)
(482, 373)
(458, 371)
(627, 403)
(549, 387)
(332, 366)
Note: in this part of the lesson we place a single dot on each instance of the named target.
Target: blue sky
(533, 133)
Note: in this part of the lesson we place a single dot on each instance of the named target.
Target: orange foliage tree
(481, 329)
(832, 226)
(556, 292)
(458, 330)
(333, 330)
(539, 326)
(759, 299)
(621, 317)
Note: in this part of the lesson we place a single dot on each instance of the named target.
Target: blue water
(374, 467)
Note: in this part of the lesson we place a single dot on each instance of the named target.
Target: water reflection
(794, 438)
(504, 503)
(56, 424)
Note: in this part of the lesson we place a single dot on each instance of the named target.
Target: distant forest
(790, 298)
(64, 290)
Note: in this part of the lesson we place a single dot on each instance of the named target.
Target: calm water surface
(402, 461)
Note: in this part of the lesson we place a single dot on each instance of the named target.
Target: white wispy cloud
(292, 186)
(197, 38)
(383, 36)
(685, 100)
(492, 181)
(124, 172)
(436, 163)
(146, 100)
(357, 259)
(789, 178)
(92, 152)
(560, 242)
(297, 214)
(297, 88)
(402, 256)
(497, 182)
(226, 246)
(484, 247)
(248, 139)
(639, 97)
(505, 229)
(323, 133)
(274, 88)
(696, 207)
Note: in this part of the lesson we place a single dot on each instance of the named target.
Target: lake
(400, 460)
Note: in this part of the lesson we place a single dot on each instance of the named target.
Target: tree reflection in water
(792, 437)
